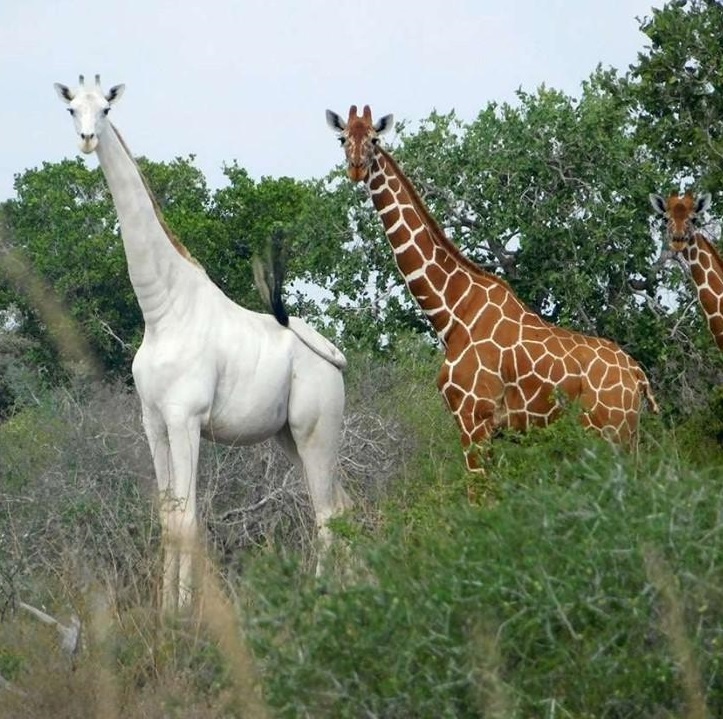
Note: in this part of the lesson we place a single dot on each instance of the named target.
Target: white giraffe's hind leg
(328, 497)
(315, 420)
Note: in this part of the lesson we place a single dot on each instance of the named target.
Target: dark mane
(713, 251)
(180, 247)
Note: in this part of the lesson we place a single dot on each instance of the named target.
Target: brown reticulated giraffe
(504, 365)
(706, 267)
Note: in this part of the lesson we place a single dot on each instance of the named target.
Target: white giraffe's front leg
(174, 448)
(157, 436)
(184, 436)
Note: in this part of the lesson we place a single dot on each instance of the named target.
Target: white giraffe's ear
(335, 122)
(384, 124)
(702, 203)
(658, 203)
(115, 93)
(63, 91)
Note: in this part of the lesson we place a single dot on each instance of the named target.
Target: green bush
(552, 601)
(584, 582)
(29, 444)
(701, 435)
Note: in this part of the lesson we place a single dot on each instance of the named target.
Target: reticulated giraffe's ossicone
(706, 266)
(504, 365)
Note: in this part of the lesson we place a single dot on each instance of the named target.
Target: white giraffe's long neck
(153, 261)
(706, 269)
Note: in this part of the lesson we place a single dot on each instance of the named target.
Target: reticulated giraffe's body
(504, 365)
(700, 255)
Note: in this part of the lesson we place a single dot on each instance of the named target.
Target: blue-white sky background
(249, 80)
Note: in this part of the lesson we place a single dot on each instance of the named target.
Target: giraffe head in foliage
(681, 213)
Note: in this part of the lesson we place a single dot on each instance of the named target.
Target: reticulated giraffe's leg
(475, 413)
(475, 417)
(475, 441)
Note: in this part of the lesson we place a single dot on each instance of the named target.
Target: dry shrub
(80, 536)
(85, 514)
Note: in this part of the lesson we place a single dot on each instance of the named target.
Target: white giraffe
(207, 367)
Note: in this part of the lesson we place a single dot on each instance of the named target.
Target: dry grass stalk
(673, 623)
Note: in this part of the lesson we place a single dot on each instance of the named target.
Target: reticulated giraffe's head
(89, 107)
(681, 213)
(358, 135)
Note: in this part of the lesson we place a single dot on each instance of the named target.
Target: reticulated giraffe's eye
(342, 140)
(375, 140)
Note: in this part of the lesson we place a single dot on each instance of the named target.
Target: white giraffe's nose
(88, 142)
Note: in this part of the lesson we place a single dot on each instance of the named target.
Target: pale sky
(249, 80)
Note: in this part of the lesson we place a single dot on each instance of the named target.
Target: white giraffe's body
(207, 366)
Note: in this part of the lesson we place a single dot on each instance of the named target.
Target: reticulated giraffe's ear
(115, 93)
(63, 91)
(658, 203)
(384, 124)
(702, 203)
(335, 122)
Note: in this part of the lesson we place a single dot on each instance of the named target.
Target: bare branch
(69, 636)
(9, 687)
(109, 331)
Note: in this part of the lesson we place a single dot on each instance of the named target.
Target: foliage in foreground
(591, 589)
(586, 582)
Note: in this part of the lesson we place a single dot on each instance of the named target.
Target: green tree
(249, 213)
(64, 222)
(675, 91)
(672, 95)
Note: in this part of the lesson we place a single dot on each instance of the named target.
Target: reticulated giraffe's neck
(156, 259)
(441, 279)
(706, 268)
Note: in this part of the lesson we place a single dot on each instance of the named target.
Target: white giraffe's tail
(269, 278)
(317, 342)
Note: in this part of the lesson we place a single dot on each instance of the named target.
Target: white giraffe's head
(89, 107)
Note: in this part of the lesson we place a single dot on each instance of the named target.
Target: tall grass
(545, 604)
(585, 581)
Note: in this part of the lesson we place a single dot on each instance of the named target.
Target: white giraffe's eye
(106, 110)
